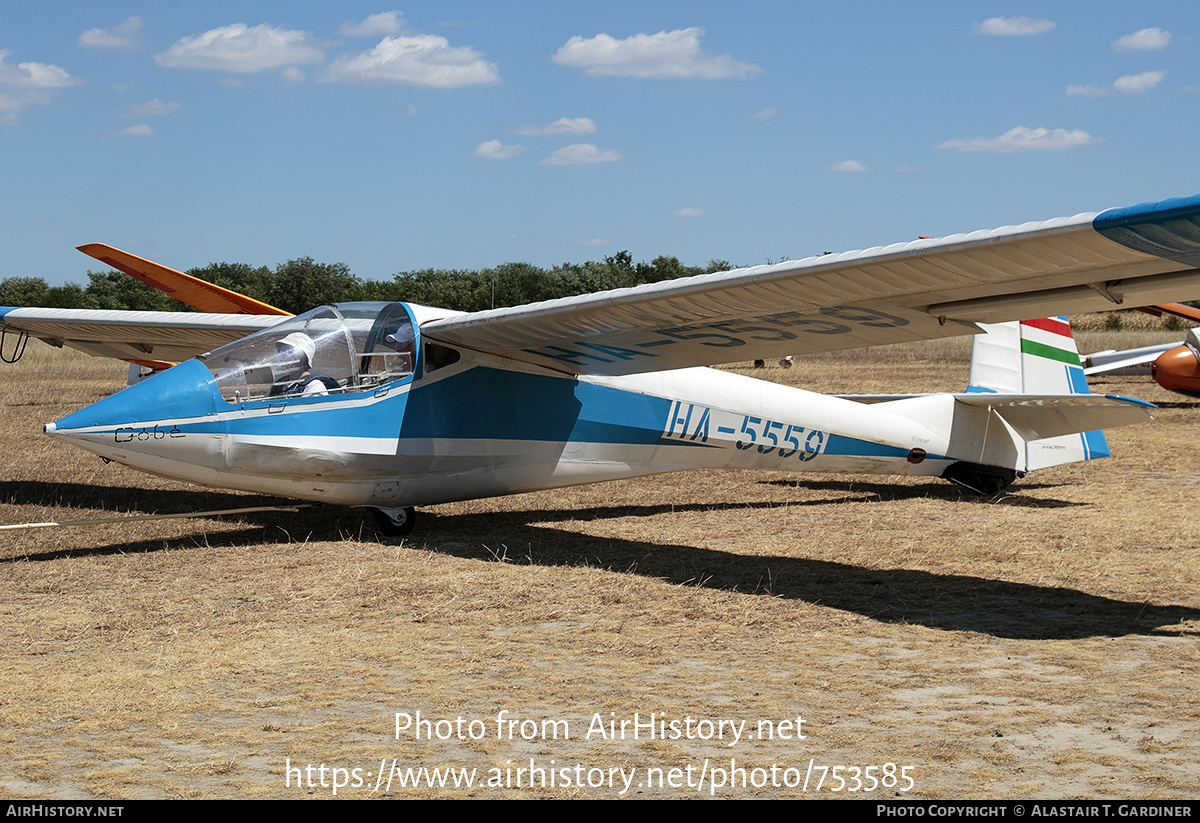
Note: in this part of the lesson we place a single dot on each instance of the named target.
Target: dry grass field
(1043, 644)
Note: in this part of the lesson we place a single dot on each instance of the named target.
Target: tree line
(301, 284)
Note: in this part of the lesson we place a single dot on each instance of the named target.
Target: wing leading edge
(889, 294)
(134, 335)
(909, 291)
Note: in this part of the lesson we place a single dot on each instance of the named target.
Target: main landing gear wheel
(395, 522)
(983, 480)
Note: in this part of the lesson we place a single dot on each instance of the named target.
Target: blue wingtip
(1131, 400)
(1148, 212)
(1169, 228)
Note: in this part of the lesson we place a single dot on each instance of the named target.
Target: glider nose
(147, 420)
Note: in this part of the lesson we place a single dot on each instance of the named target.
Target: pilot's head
(296, 352)
(401, 338)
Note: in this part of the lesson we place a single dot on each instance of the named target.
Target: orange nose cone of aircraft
(1177, 370)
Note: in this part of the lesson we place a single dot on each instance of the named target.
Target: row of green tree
(299, 285)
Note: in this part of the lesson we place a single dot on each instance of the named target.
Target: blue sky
(467, 134)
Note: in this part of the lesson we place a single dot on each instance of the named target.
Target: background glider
(1174, 366)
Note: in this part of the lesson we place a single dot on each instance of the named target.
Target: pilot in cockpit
(402, 338)
(294, 374)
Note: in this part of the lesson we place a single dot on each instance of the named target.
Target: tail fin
(1036, 357)
(1030, 357)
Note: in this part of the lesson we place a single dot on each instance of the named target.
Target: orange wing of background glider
(1177, 309)
(197, 293)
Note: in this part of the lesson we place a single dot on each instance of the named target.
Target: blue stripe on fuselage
(505, 405)
(843, 446)
(478, 403)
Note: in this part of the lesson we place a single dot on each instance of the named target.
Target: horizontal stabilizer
(1036, 417)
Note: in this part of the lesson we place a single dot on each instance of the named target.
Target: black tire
(390, 527)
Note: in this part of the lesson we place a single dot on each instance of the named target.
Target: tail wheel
(395, 522)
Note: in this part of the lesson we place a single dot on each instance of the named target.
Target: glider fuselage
(486, 426)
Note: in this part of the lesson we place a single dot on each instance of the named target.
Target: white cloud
(140, 130)
(690, 212)
(294, 75)
(377, 25)
(668, 54)
(420, 61)
(1129, 84)
(581, 154)
(34, 76)
(1023, 139)
(849, 165)
(495, 150)
(1138, 83)
(764, 114)
(1014, 26)
(29, 84)
(562, 127)
(125, 36)
(1144, 40)
(152, 108)
(410, 110)
(240, 49)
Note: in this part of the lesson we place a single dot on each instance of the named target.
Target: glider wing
(140, 336)
(910, 291)
(197, 293)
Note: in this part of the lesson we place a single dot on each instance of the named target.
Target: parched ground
(882, 638)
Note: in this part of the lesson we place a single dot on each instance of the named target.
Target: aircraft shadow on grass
(951, 602)
(943, 601)
(884, 492)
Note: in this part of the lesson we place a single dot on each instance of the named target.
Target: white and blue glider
(393, 406)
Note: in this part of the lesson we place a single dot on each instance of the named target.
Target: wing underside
(912, 291)
(168, 337)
